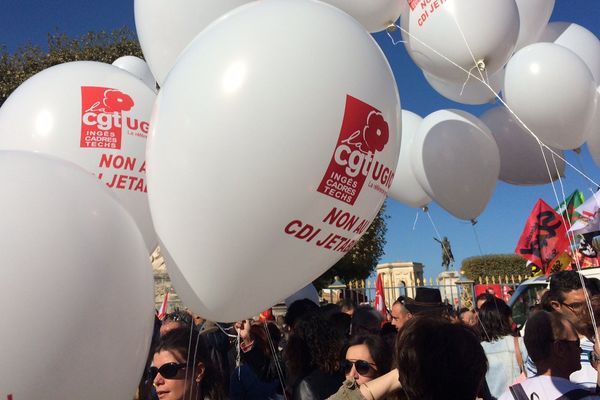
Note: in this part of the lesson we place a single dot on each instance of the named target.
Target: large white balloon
(593, 135)
(93, 114)
(137, 67)
(273, 158)
(521, 158)
(456, 161)
(74, 263)
(472, 92)
(553, 92)
(577, 39)
(467, 32)
(375, 15)
(533, 16)
(165, 28)
(405, 187)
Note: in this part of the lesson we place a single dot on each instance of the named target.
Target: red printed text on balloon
(109, 166)
(425, 8)
(363, 134)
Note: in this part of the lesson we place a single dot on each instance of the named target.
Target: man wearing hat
(428, 301)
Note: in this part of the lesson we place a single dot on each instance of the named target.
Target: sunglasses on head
(362, 367)
(168, 371)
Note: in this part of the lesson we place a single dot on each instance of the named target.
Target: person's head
(439, 360)
(495, 320)
(400, 313)
(366, 358)
(467, 317)
(313, 344)
(365, 320)
(174, 320)
(482, 298)
(298, 309)
(567, 294)
(585, 325)
(552, 343)
(428, 301)
(181, 368)
(341, 323)
(348, 306)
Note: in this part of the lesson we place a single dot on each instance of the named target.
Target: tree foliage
(94, 46)
(361, 261)
(494, 265)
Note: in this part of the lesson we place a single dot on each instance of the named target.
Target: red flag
(544, 237)
(163, 307)
(380, 297)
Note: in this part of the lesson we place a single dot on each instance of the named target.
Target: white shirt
(547, 388)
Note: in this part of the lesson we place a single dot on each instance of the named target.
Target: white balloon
(375, 15)
(533, 16)
(521, 158)
(405, 187)
(593, 136)
(272, 158)
(553, 92)
(137, 67)
(471, 92)
(577, 39)
(74, 262)
(456, 161)
(165, 28)
(464, 31)
(307, 292)
(93, 114)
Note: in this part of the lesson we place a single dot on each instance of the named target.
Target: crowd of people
(425, 350)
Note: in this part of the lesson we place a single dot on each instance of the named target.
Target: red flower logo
(376, 133)
(117, 101)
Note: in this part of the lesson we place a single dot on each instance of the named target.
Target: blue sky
(499, 226)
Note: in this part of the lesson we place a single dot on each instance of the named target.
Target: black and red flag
(544, 237)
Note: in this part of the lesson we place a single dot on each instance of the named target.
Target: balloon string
(503, 103)
(416, 219)
(477, 239)
(276, 359)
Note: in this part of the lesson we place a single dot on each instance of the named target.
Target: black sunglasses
(362, 367)
(168, 371)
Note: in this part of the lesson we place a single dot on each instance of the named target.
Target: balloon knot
(480, 65)
(425, 209)
(473, 222)
(391, 27)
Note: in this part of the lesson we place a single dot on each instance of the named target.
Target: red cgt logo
(364, 132)
(102, 116)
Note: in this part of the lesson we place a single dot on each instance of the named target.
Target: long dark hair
(191, 346)
(314, 344)
(494, 320)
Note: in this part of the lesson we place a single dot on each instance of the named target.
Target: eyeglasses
(168, 371)
(362, 367)
(574, 307)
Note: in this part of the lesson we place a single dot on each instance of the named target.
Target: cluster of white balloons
(545, 74)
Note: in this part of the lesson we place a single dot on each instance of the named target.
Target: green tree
(494, 265)
(28, 60)
(361, 261)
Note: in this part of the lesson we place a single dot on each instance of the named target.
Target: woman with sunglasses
(181, 368)
(366, 357)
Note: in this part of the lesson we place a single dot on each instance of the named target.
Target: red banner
(544, 237)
